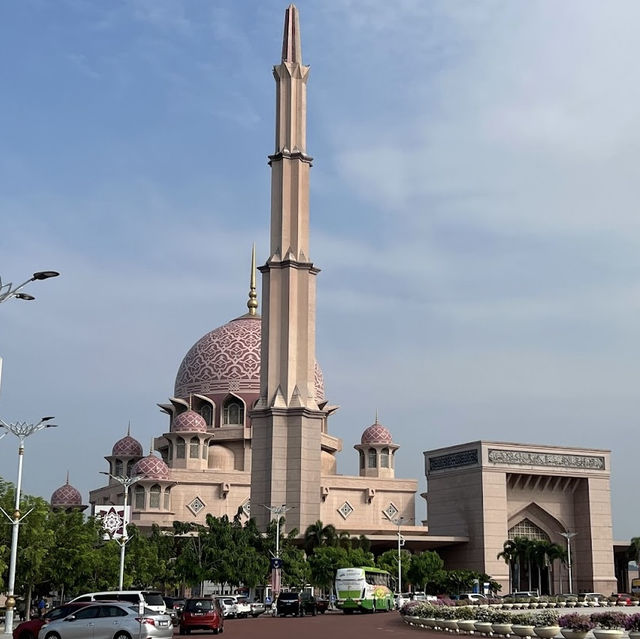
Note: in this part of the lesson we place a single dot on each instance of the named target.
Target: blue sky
(475, 177)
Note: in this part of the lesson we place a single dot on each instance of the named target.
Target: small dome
(151, 467)
(376, 434)
(127, 447)
(189, 421)
(65, 496)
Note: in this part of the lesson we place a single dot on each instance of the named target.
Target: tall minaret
(287, 421)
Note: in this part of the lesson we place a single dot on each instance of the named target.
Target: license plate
(163, 623)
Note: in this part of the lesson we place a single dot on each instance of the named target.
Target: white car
(243, 607)
(228, 605)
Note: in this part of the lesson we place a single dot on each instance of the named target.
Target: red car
(29, 629)
(202, 613)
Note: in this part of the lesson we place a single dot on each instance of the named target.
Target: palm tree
(319, 535)
(510, 556)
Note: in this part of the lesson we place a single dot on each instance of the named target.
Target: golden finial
(67, 477)
(129, 429)
(151, 447)
(252, 304)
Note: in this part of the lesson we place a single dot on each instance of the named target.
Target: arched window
(154, 496)
(528, 529)
(140, 500)
(194, 448)
(206, 413)
(373, 462)
(117, 470)
(384, 458)
(166, 499)
(179, 448)
(361, 459)
(233, 412)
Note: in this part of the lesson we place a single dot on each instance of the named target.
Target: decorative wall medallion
(346, 509)
(195, 505)
(246, 508)
(391, 512)
(531, 458)
(454, 460)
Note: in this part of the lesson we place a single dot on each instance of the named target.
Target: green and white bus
(365, 589)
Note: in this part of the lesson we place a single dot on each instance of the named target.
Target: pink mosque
(247, 426)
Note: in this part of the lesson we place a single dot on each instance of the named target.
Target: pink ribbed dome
(189, 421)
(228, 358)
(151, 467)
(127, 447)
(376, 434)
(66, 495)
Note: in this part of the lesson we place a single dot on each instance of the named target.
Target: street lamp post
(7, 291)
(275, 571)
(126, 483)
(398, 523)
(569, 536)
(21, 430)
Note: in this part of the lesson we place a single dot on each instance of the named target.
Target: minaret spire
(291, 43)
(287, 422)
(252, 304)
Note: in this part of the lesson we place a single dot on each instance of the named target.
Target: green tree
(324, 562)
(319, 535)
(424, 567)
(389, 561)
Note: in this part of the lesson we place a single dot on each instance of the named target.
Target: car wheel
(122, 635)
(52, 635)
(215, 631)
(27, 635)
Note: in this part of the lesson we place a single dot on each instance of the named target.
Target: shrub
(501, 616)
(632, 622)
(522, 619)
(575, 621)
(545, 618)
(485, 614)
(465, 613)
(609, 620)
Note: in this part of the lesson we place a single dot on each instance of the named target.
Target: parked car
(322, 605)
(257, 608)
(174, 608)
(109, 620)
(472, 597)
(622, 598)
(228, 605)
(525, 594)
(592, 597)
(150, 598)
(202, 613)
(29, 629)
(308, 604)
(243, 607)
(288, 603)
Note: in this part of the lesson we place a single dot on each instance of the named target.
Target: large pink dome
(228, 359)
(189, 421)
(127, 447)
(66, 495)
(151, 467)
(376, 434)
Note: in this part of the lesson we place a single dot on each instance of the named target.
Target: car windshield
(288, 596)
(198, 605)
(153, 598)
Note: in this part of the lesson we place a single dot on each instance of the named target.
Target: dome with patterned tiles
(151, 467)
(127, 447)
(228, 355)
(376, 434)
(66, 496)
(190, 422)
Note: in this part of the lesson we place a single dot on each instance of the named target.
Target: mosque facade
(247, 424)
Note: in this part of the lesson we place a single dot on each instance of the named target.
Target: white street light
(7, 291)
(275, 572)
(569, 536)
(21, 430)
(398, 523)
(126, 483)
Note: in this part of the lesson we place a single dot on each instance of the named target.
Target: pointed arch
(234, 410)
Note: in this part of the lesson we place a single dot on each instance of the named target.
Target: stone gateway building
(248, 423)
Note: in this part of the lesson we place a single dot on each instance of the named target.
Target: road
(327, 626)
